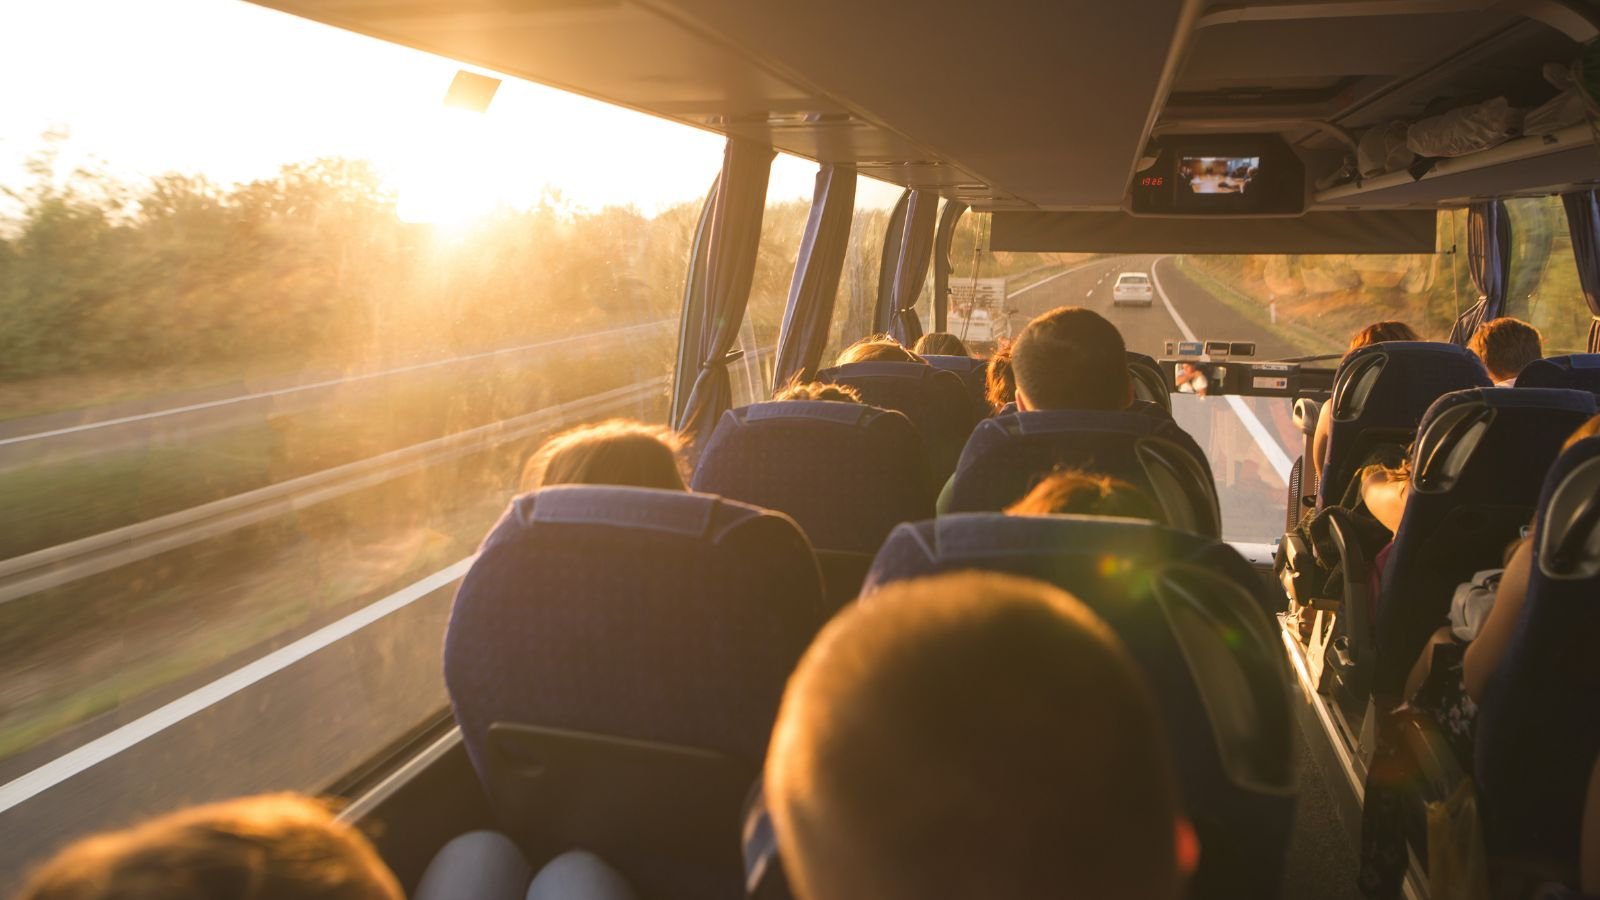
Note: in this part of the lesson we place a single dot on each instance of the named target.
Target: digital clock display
(1152, 180)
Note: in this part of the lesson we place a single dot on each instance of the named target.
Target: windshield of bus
(1290, 306)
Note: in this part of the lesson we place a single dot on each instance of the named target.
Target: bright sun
(445, 176)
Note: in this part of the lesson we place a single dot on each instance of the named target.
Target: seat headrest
(1579, 370)
(1059, 421)
(836, 411)
(958, 364)
(1406, 369)
(909, 371)
(1456, 424)
(959, 537)
(1569, 525)
(649, 509)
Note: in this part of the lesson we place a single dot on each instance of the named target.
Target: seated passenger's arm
(1319, 439)
(1385, 497)
(1484, 654)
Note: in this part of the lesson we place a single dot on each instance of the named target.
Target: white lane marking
(317, 385)
(1276, 458)
(1044, 281)
(102, 748)
(1089, 293)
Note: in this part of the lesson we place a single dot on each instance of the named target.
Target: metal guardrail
(64, 563)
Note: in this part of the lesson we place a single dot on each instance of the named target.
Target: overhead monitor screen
(1218, 174)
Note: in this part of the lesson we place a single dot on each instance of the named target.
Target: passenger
(877, 348)
(277, 847)
(1000, 378)
(816, 390)
(1506, 345)
(1453, 670)
(617, 451)
(1191, 379)
(1376, 333)
(973, 735)
(1071, 358)
(1076, 492)
(940, 343)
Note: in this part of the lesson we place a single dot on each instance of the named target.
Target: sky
(233, 91)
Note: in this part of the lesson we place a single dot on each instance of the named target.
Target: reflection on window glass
(858, 278)
(783, 226)
(311, 296)
(1544, 275)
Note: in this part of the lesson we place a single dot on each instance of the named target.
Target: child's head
(277, 847)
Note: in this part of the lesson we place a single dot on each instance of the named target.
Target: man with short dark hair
(1071, 358)
(1506, 345)
(974, 735)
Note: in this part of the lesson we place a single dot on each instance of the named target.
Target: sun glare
(445, 175)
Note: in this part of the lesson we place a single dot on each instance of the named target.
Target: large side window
(1544, 275)
(275, 343)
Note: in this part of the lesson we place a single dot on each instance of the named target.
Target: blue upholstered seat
(1009, 454)
(846, 472)
(1479, 459)
(938, 402)
(1539, 723)
(615, 658)
(1193, 613)
(1379, 395)
(1580, 371)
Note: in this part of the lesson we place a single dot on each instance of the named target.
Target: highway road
(309, 705)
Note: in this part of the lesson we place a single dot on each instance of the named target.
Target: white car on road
(1134, 288)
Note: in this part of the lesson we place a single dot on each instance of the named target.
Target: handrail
(64, 563)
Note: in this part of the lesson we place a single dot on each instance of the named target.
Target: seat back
(1539, 725)
(662, 622)
(847, 473)
(1580, 371)
(936, 401)
(1149, 384)
(1193, 614)
(974, 373)
(1479, 459)
(1379, 395)
(1007, 455)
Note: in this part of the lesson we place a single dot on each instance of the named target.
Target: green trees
(312, 269)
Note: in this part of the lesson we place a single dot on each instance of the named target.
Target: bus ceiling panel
(1048, 102)
(1368, 231)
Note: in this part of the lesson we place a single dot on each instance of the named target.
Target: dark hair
(1071, 358)
(972, 734)
(877, 348)
(940, 343)
(1000, 379)
(616, 451)
(1379, 332)
(1506, 345)
(1076, 492)
(816, 390)
(279, 847)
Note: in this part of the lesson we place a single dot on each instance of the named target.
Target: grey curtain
(1583, 222)
(815, 285)
(719, 289)
(883, 309)
(911, 265)
(941, 262)
(1489, 263)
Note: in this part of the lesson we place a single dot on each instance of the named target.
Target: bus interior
(260, 425)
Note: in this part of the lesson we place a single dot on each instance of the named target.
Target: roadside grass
(1307, 340)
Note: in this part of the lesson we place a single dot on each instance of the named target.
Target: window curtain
(952, 211)
(1489, 263)
(908, 269)
(719, 289)
(883, 309)
(815, 285)
(1583, 222)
